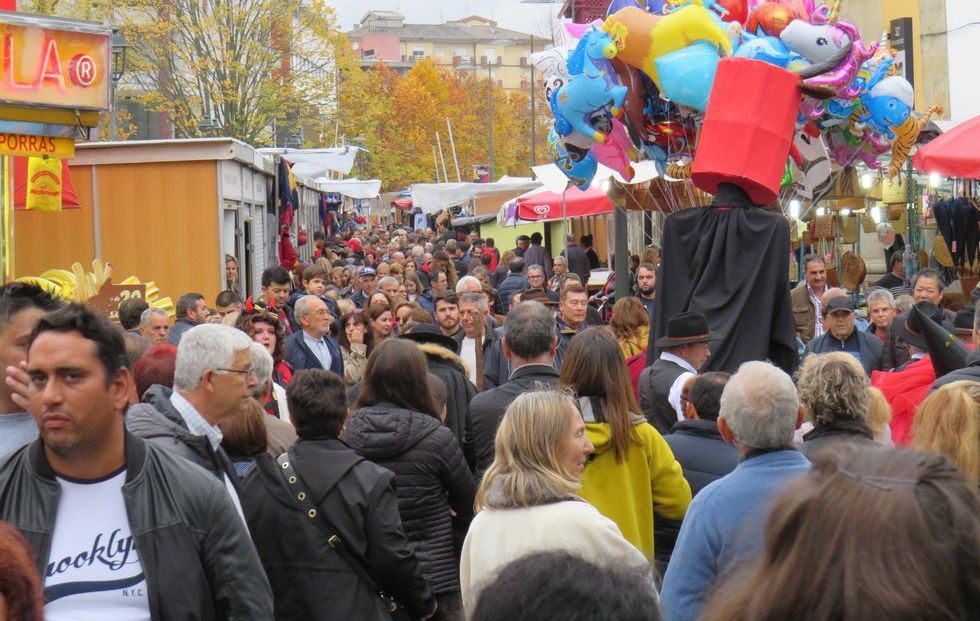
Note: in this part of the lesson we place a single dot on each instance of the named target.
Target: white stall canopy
(351, 188)
(434, 197)
(313, 163)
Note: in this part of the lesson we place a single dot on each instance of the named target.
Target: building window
(491, 55)
(368, 54)
(418, 55)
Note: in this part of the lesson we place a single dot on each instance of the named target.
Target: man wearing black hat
(963, 325)
(685, 350)
(971, 371)
(841, 335)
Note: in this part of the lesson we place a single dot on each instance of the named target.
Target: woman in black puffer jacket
(396, 425)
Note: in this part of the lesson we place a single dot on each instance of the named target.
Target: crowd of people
(419, 426)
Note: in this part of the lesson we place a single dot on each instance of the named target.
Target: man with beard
(646, 286)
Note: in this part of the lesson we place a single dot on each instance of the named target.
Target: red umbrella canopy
(546, 206)
(954, 154)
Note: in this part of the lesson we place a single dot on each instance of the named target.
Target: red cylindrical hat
(747, 129)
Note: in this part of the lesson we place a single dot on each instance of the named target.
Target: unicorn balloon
(832, 52)
(591, 87)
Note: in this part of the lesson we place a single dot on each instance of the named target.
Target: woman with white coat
(527, 501)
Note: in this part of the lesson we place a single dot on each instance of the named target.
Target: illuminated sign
(17, 144)
(66, 65)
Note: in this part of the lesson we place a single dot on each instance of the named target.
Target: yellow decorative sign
(64, 66)
(44, 184)
(17, 144)
(78, 285)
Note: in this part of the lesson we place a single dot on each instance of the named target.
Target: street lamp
(119, 52)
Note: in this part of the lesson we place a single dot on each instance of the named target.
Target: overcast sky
(528, 18)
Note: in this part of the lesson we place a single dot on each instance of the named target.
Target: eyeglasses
(246, 372)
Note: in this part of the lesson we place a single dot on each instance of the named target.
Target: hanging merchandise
(868, 224)
(44, 183)
(854, 271)
(823, 227)
(894, 190)
(899, 217)
(849, 229)
(288, 195)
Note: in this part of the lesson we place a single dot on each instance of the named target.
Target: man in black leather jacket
(115, 522)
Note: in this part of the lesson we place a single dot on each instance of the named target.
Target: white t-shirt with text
(94, 571)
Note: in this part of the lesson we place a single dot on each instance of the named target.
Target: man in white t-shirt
(121, 530)
(21, 305)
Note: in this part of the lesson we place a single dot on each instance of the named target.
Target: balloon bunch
(636, 85)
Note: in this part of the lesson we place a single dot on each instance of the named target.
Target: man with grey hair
(389, 286)
(760, 410)
(213, 379)
(881, 312)
(280, 434)
(312, 347)
(154, 325)
(469, 284)
(530, 344)
(537, 279)
(475, 335)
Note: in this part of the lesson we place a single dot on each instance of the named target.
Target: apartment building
(470, 44)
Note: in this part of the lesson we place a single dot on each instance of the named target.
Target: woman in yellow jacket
(633, 474)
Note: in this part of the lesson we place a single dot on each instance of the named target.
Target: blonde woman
(527, 501)
(880, 417)
(948, 423)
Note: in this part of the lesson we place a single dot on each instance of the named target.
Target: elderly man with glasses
(213, 379)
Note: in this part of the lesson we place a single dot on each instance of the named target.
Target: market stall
(954, 154)
(169, 210)
(53, 95)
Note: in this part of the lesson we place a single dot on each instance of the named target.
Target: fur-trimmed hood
(431, 350)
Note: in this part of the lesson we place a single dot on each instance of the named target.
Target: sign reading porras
(66, 65)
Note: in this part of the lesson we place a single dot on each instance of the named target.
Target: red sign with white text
(54, 67)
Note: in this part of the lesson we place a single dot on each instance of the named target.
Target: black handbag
(296, 485)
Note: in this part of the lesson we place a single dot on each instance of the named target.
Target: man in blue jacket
(843, 335)
(760, 410)
(312, 347)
